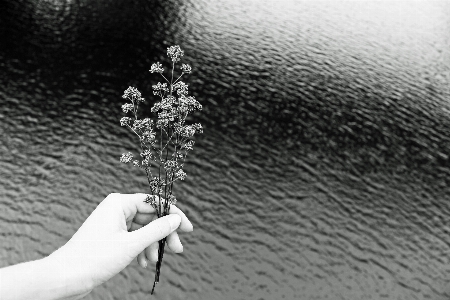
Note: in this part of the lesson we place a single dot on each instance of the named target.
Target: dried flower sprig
(166, 142)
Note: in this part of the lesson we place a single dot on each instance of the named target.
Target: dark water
(323, 172)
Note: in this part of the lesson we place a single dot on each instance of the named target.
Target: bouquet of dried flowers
(166, 142)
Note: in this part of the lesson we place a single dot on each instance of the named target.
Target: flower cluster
(181, 88)
(188, 146)
(149, 136)
(133, 94)
(127, 107)
(189, 104)
(166, 141)
(180, 174)
(156, 185)
(172, 199)
(125, 121)
(143, 125)
(175, 53)
(188, 131)
(186, 68)
(151, 200)
(160, 89)
(156, 68)
(126, 157)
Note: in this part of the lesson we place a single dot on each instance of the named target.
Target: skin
(120, 229)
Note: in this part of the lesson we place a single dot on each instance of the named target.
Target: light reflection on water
(323, 169)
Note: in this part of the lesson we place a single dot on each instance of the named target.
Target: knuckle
(112, 196)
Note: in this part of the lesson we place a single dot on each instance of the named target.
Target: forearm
(43, 279)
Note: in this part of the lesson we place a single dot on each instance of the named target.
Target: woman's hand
(121, 228)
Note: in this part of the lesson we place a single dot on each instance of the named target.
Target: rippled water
(323, 172)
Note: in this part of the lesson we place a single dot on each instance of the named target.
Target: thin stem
(134, 131)
(168, 141)
(148, 179)
(159, 172)
(164, 77)
(165, 186)
(172, 181)
(171, 80)
(176, 159)
(178, 78)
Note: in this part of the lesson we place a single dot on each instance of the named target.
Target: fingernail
(174, 221)
(145, 263)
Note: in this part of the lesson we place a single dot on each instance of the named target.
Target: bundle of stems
(165, 143)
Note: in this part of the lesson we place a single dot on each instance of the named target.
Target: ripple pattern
(324, 169)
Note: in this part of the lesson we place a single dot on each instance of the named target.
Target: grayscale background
(323, 171)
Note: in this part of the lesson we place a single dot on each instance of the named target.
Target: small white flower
(175, 53)
(180, 174)
(156, 68)
(127, 107)
(172, 199)
(181, 87)
(126, 157)
(186, 68)
(125, 121)
(132, 94)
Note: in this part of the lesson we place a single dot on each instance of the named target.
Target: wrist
(72, 279)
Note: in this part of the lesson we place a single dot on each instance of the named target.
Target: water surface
(323, 172)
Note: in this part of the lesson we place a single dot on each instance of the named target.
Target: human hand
(118, 230)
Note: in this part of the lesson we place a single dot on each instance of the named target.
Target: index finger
(134, 203)
(144, 219)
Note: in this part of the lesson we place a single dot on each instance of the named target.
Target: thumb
(155, 230)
